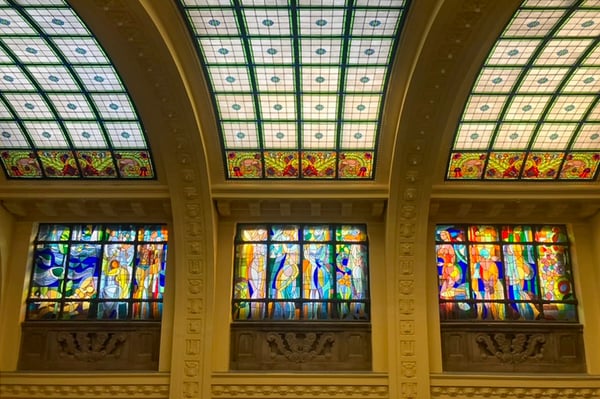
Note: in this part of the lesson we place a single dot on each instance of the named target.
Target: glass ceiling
(533, 113)
(298, 86)
(64, 112)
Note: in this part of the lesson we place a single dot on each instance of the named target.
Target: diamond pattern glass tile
(534, 109)
(64, 112)
(298, 86)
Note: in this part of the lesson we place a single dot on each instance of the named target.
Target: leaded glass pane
(95, 271)
(293, 64)
(508, 272)
(300, 272)
(64, 92)
(536, 91)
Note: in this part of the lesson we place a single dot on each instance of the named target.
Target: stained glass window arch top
(533, 113)
(64, 111)
(308, 272)
(297, 86)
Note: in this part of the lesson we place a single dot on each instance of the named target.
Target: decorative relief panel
(89, 346)
(301, 346)
(522, 392)
(512, 347)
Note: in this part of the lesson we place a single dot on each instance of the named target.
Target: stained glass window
(534, 111)
(64, 111)
(504, 272)
(298, 86)
(301, 272)
(98, 272)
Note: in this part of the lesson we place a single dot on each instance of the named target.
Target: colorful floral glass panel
(64, 112)
(533, 110)
(301, 272)
(504, 272)
(98, 272)
(298, 87)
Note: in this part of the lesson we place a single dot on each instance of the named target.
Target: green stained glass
(281, 164)
(504, 165)
(536, 92)
(58, 164)
(88, 232)
(318, 164)
(302, 73)
(317, 233)
(65, 110)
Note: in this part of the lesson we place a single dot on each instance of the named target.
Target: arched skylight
(64, 112)
(534, 113)
(298, 86)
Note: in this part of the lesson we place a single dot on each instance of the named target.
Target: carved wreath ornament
(300, 348)
(90, 346)
(511, 348)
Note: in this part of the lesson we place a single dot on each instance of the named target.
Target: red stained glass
(504, 165)
(282, 164)
(542, 165)
(96, 163)
(320, 164)
(59, 164)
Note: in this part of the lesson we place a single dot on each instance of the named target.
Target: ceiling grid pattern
(64, 112)
(534, 113)
(298, 86)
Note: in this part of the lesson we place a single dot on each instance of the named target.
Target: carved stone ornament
(90, 346)
(300, 348)
(511, 348)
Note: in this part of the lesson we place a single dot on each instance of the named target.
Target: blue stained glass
(121, 233)
(117, 269)
(284, 233)
(87, 232)
(49, 271)
(453, 281)
(113, 310)
(351, 277)
(84, 277)
(153, 233)
(521, 280)
(53, 232)
(284, 279)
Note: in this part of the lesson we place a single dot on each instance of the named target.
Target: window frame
(299, 302)
(92, 314)
(506, 302)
